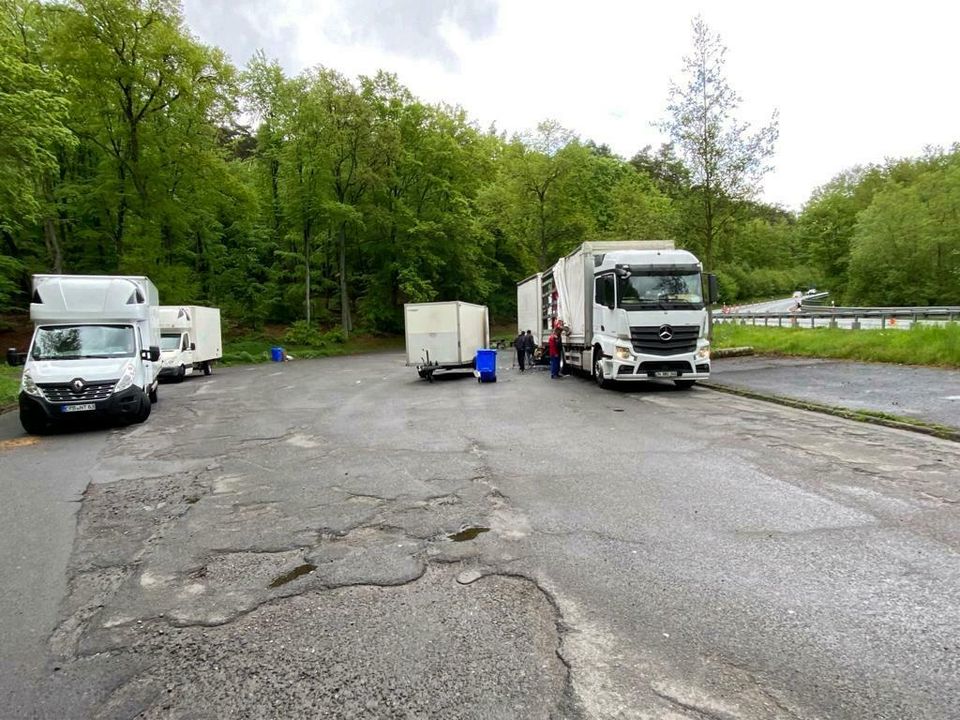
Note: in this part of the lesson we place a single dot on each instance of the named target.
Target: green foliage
(9, 386)
(920, 345)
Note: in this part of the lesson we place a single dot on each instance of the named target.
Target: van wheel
(180, 374)
(208, 368)
(152, 394)
(32, 424)
(684, 384)
(145, 407)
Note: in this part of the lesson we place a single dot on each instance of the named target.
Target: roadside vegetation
(300, 343)
(920, 345)
(9, 386)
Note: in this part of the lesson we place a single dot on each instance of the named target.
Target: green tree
(726, 161)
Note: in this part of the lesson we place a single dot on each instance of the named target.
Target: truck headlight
(703, 352)
(28, 386)
(622, 353)
(126, 378)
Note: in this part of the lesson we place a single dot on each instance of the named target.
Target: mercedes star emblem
(665, 332)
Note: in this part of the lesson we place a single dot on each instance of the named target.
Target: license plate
(665, 373)
(79, 408)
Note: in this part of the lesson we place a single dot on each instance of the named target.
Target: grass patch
(920, 345)
(256, 348)
(9, 386)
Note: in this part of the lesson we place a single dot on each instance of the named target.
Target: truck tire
(598, 375)
(152, 394)
(180, 374)
(208, 367)
(684, 384)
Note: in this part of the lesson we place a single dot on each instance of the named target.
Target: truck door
(604, 307)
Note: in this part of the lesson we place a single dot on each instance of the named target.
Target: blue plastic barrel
(486, 364)
(276, 354)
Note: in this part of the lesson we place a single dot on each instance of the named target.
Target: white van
(95, 350)
(190, 340)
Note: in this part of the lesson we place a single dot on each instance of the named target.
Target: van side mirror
(713, 289)
(193, 346)
(152, 354)
(15, 358)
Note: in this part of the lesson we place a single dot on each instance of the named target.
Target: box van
(190, 340)
(95, 350)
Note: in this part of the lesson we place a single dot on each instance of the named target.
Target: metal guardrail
(886, 315)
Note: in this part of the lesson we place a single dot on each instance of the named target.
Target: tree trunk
(344, 296)
(306, 257)
(50, 235)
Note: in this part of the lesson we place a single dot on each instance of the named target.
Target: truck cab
(94, 350)
(649, 318)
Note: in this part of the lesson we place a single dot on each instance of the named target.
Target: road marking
(18, 442)
(952, 397)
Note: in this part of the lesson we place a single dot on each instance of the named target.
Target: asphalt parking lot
(337, 538)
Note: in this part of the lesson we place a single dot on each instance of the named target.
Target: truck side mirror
(193, 346)
(713, 290)
(152, 354)
(15, 358)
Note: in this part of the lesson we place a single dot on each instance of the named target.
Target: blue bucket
(276, 354)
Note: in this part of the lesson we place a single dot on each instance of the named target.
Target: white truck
(631, 311)
(95, 350)
(190, 340)
(444, 335)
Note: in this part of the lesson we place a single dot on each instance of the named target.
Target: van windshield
(667, 290)
(170, 342)
(73, 342)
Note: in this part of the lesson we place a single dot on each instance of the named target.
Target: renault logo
(665, 332)
(77, 385)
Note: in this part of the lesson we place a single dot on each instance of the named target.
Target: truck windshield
(665, 290)
(73, 342)
(170, 342)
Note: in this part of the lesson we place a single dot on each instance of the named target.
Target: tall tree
(726, 160)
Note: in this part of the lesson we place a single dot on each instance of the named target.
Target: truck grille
(664, 339)
(65, 392)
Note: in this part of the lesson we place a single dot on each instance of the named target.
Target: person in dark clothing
(556, 352)
(528, 346)
(521, 346)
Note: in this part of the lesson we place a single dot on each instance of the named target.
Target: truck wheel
(598, 375)
(207, 368)
(32, 424)
(180, 374)
(684, 384)
(152, 394)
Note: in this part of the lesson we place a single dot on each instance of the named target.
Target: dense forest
(127, 146)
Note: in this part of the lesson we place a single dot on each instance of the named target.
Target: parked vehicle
(444, 335)
(630, 311)
(190, 340)
(95, 350)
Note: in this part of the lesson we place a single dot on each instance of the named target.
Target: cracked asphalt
(276, 542)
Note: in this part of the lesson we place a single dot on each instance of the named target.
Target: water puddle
(469, 533)
(298, 571)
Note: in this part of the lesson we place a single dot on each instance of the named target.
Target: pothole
(288, 577)
(468, 533)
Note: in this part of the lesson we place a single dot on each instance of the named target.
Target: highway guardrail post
(855, 325)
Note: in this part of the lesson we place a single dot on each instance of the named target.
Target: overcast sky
(854, 82)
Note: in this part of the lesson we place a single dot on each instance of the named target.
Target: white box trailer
(95, 350)
(444, 335)
(190, 340)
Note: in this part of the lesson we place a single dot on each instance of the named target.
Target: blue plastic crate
(486, 365)
(276, 354)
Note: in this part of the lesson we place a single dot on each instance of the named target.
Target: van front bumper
(125, 403)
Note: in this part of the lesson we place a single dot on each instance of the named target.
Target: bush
(304, 335)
